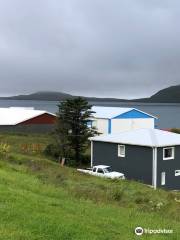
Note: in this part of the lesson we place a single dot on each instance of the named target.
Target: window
(89, 124)
(100, 170)
(177, 173)
(94, 169)
(121, 151)
(107, 170)
(168, 153)
(163, 178)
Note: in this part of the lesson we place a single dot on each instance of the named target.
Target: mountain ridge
(167, 95)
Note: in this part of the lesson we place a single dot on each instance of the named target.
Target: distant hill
(170, 95)
(41, 96)
(54, 96)
(167, 95)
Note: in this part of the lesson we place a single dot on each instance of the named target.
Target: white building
(109, 120)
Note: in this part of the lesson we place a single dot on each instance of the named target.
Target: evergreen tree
(72, 131)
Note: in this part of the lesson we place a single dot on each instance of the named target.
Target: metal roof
(15, 115)
(142, 137)
(112, 112)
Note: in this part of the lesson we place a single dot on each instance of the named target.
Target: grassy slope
(41, 200)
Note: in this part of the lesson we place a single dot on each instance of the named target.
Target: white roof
(111, 112)
(142, 137)
(16, 115)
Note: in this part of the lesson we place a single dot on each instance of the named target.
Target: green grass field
(39, 199)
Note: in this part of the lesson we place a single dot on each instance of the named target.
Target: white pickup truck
(102, 171)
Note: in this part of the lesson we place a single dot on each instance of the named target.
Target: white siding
(120, 125)
(101, 125)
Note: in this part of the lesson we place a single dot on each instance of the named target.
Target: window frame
(177, 173)
(173, 153)
(119, 152)
(102, 170)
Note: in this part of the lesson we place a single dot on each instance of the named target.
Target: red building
(26, 120)
(44, 118)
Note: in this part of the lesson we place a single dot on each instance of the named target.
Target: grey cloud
(125, 49)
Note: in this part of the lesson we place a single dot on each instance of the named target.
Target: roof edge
(143, 145)
(138, 111)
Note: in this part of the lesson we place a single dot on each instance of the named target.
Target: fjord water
(168, 113)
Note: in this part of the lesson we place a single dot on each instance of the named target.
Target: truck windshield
(107, 170)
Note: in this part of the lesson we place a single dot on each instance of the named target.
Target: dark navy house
(151, 156)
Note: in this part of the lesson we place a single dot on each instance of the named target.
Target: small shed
(151, 156)
(109, 120)
(20, 119)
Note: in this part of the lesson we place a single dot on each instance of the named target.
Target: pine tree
(72, 130)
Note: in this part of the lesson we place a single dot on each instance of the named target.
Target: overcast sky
(112, 48)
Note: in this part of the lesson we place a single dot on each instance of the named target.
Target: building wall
(137, 164)
(169, 167)
(119, 125)
(105, 126)
(31, 128)
(42, 119)
(101, 125)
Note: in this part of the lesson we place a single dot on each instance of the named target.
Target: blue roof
(117, 112)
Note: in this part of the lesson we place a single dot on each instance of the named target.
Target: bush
(52, 150)
(4, 149)
(141, 200)
(118, 195)
(86, 159)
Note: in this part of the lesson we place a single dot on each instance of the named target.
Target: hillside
(54, 96)
(41, 200)
(170, 95)
(41, 96)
